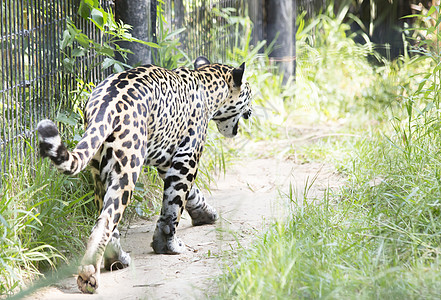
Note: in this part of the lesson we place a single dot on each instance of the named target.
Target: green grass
(371, 239)
(45, 219)
(378, 237)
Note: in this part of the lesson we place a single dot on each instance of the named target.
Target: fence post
(137, 14)
(179, 13)
(281, 21)
(255, 12)
(276, 18)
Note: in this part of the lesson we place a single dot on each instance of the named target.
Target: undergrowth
(45, 218)
(378, 236)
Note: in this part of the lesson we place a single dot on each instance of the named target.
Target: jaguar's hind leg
(119, 187)
(115, 202)
(89, 270)
(115, 258)
(199, 210)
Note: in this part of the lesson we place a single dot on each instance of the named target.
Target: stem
(437, 62)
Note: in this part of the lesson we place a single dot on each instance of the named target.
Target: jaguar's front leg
(178, 180)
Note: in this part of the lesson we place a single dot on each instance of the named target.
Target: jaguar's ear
(238, 74)
(201, 61)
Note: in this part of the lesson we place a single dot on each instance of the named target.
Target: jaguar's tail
(69, 162)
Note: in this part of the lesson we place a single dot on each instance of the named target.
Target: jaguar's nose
(246, 114)
(235, 129)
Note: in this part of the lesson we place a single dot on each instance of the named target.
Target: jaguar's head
(227, 117)
(238, 102)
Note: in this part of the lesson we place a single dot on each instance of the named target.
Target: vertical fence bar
(3, 87)
(38, 64)
(27, 85)
(10, 80)
(33, 90)
(46, 60)
(68, 83)
(18, 83)
(50, 55)
(14, 73)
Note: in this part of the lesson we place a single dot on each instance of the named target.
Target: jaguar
(151, 116)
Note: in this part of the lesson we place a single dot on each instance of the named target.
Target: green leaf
(73, 30)
(107, 51)
(4, 222)
(118, 67)
(411, 16)
(68, 63)
(108, 62)
(85, 8)
(97, 15)
(83, 40)
(431, 10)
(78, 52)
(151, 44)
(67, 39)
(428, 107)
(437, 68)
(66, 119)
(174, 33)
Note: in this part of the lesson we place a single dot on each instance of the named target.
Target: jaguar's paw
(87, 279)
(165, 243)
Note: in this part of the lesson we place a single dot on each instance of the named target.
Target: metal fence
(33, 83)
(209, 29)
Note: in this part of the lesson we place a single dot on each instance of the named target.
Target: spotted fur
(148, 116)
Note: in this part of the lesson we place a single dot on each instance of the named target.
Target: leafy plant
(78, 47)
(428, 41)
(111, 31)
(168, 54)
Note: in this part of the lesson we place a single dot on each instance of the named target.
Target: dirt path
(247, 198)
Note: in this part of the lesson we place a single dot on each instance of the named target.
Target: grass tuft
(44, 218)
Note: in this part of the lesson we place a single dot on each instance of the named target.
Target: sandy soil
(248, 198)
